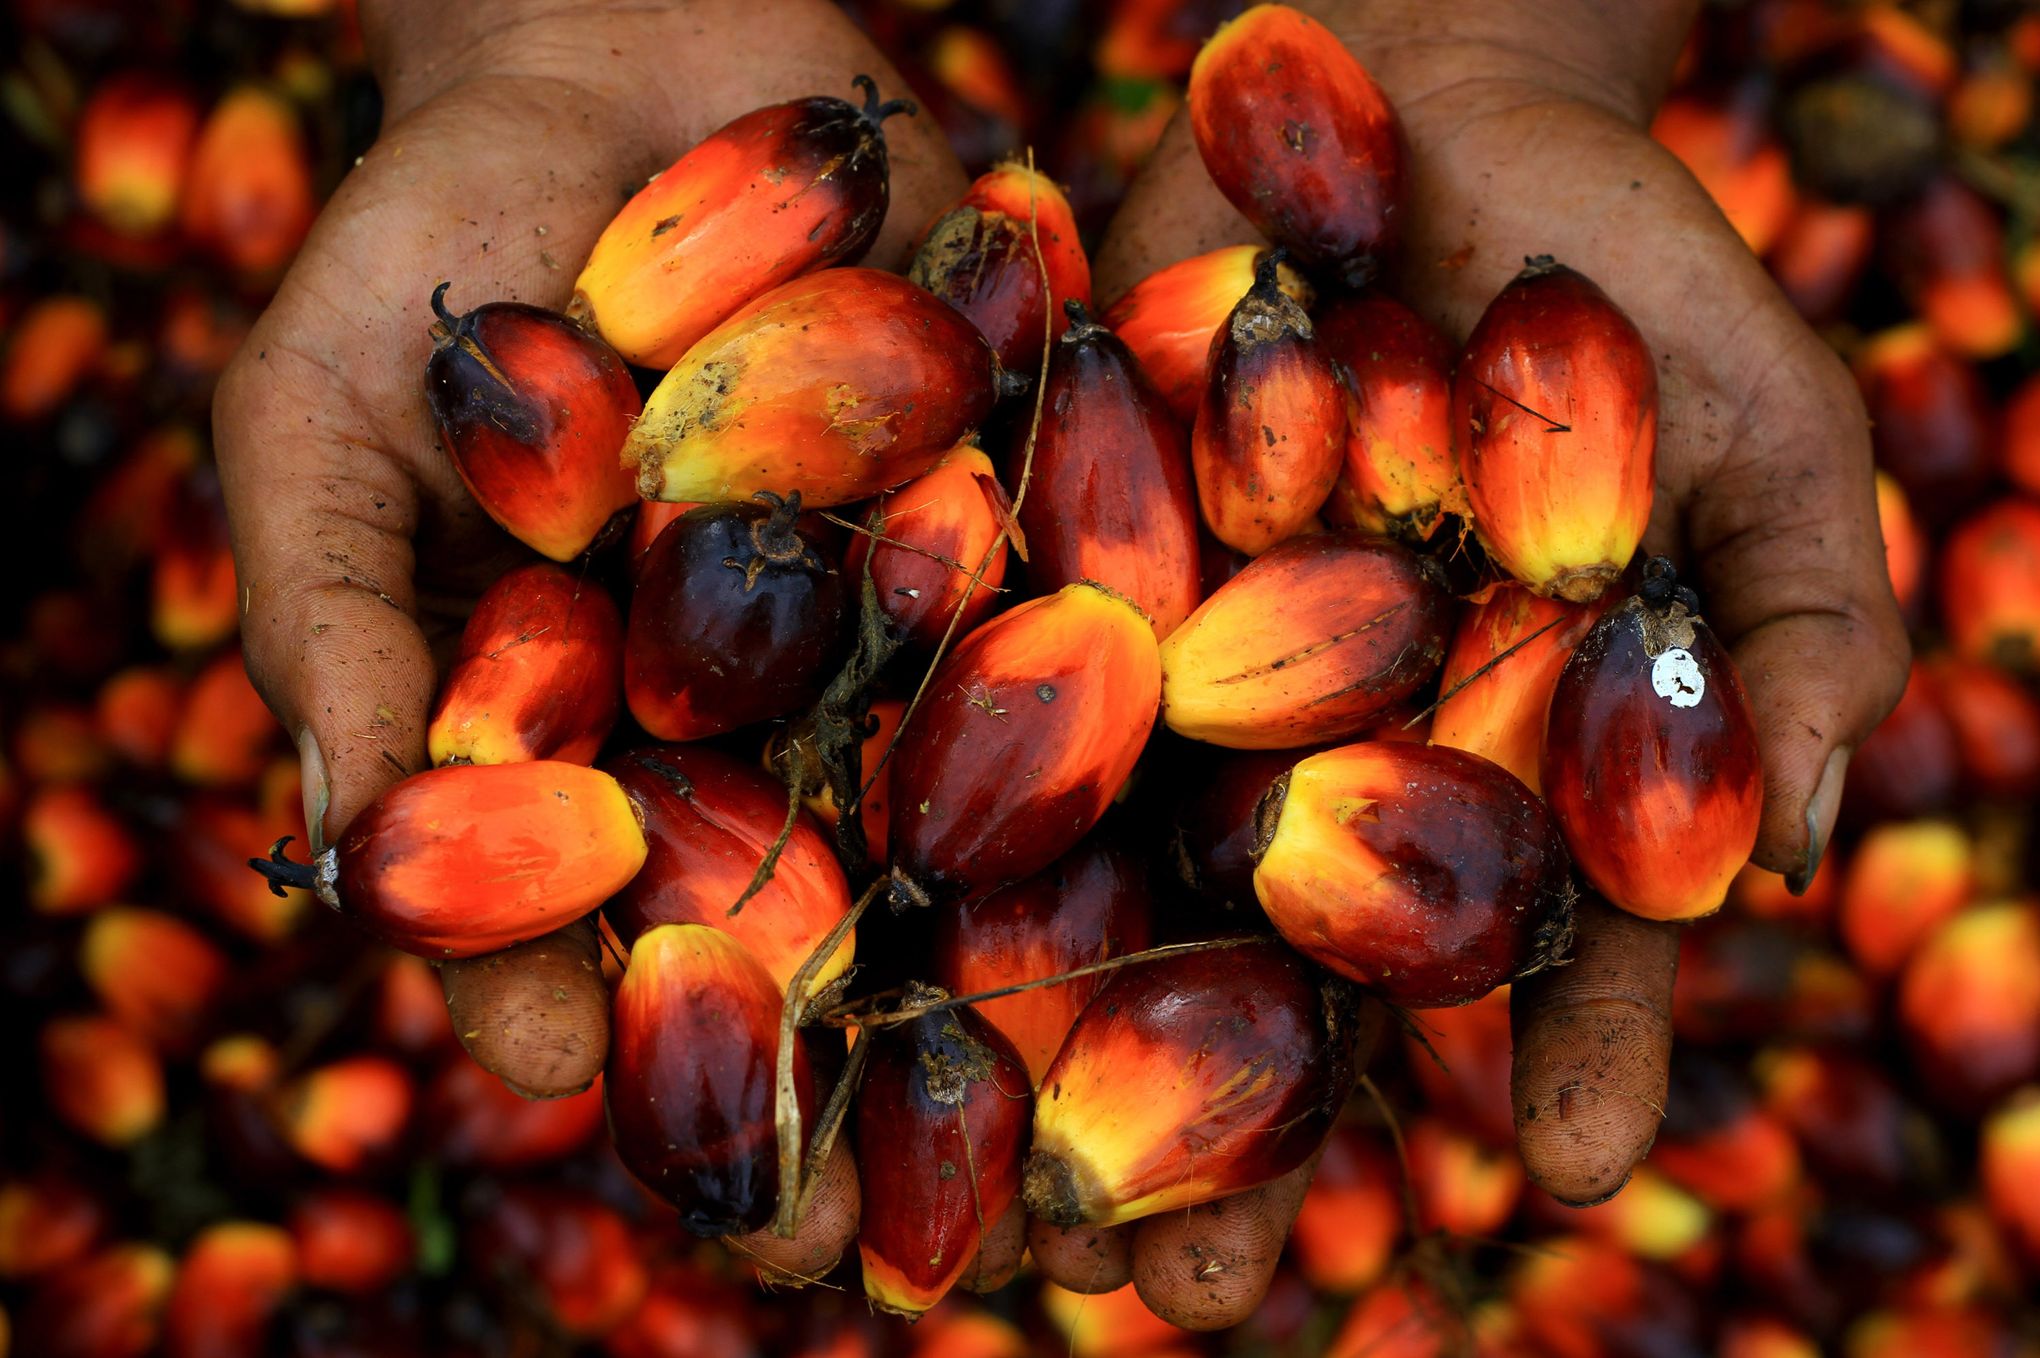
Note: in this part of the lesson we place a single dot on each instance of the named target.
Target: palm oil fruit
(1500, 669)
(231, 1283)
(1310, 643)
(1111, 498)
(1300, 139)
(942, 1121)
(534, 412)
(1990, 585)
(690, 1077)
(1399, 475)
(1969, 1005)
(1030, 729)
(1187, 1079)
(1427, 874)
(1555, 415)
(1650, 756)
(780, 192)
(471, 858)
(1271, 430)
(1217, 827)
(539, 674)
(709, 820)
(2009, 1165)
(981, 257)
(737, 617)
(836, 385)
(934, 534)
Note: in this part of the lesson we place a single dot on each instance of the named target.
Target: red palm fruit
(1312, 642)
(874, 807)
(1462, 1185)
(548, 840)
(709, 820)
(1819, 256)
(56, 344)
(1555, 408)
(153, 972)
(1170, 318)
(1905, 548)
(1718, 1142)
(2021, 432)
(60, 743)
(248, 199)
(781, 191)
(1189, 1079)
(1903, 880)
(1990, 585)
(1583, 1297)
(565, 1253)
(475, 1121)
(1909, 765)
(1399, 473)
(409, 1008)
(1091, 904)
(1765, 895)
(981, 257)
(1746, 980)
(1500, 670)
(1996, 723)
(1218, 826)
(1944, 1332)
(1650, 759)
(689, 1083)
(645, 526)
(347, 1115)
(1115, 1324)
(1460, 1058)
(138, 710)
(241, 1062)
(1930, 420)
(349, 1240)
(225, 733)
(230, 1284)
(1150, 39)
(131, 149)
(2009, 1165)
(1945, 249)
(208, 857)
(688, 1313)
(1651, 1218)
(1727, 144)
(109, 1305)
(534, 412)
(737, 617)
(836, 385)
(1991, 105)
(1851, 1121)
(1300, 139)
(954, 1332)
(1031, 727)
(46, 1221)
(539, 674)
(1111, 499)
(955, 511)
(1425, 873)
(101, 1078)
(1401, 1318)
(1271, 429)
(942, 1119)
(80, 854)
(1352, 1216)
(1969, 999)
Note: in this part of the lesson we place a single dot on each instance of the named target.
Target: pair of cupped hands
(513, 132)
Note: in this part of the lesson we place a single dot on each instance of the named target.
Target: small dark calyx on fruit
(449, 324)
(1050, 1190)
(776, 542)
(874, 112)
(905, 893)
(1536, 266)
(1661, 589)
(1081, 327)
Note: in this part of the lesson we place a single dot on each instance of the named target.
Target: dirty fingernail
(318, 793)
(1821, 810)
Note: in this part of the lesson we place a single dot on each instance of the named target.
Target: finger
(1593, 1054)
(999, 1256)
(536, 1015)
(1082, 1259)
(1172, 211)
(825, 1232)
(1208, 1267)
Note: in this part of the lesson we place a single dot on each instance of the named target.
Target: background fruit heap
(245, 1129)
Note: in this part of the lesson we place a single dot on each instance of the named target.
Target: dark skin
(509, 140)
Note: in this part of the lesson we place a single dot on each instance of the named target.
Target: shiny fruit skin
(942, 1124)
(1422, 872)
(1029, 730)
(533, 411)
(955, 510)
(154, 972)
(1990, 585)
(1091, 904)
(1218, 823)
(1500, 715)
(1168, 319)
(539, 674)
(1399, 473)
(1555, 409)
(709, 820)
(1300, 139)
(1996, 721)
(690, 1077)
(1310, 643)
(1651, 764)
(1969, 1003)
(836, 385)
(1111, 498)
(738, 616)
(248, 193)
(780, 192)
(980, 257)
(132, 148)
(1903, 880)
(1188, 1079)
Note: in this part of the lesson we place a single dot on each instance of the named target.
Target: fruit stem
(1660, 584)
(281, 872)
(1536, 266)
(776, 539)
(1268, 273)
(441, 310)
(1081, 326)
(874, 112)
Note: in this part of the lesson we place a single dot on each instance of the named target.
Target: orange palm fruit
(1651, 764)
(248, 199)
(875, 778)
(570, 1257)
(1651, 1218)
(1945, 249)
(55, 345)
(1574, 1291)
(347, 1115)
(1766, 895)
(1851, 1120)
(1992, 105)
(471, 858)
(1115, 1324)
(225, 733)
(138, 710)
(1462, 1185)
(1110, 497)
(132, 146)
(1990, 585)
(1996, 723)
(689, 1082)
(1271, 429)
(475, 1121)
(2021, 432)
(1909, 765)
(108, 1305)
(981, 257)
(1169, 318)
(781, 191)
(836, 385)
(131, 505)
(46, 1221)
(349, 1240)
(1187, 1079)
(539, 674)
(1030, 729)
(1352, 1216)
(2009, 1167)
(1905, 548)
(1969, 1001)
(1310, 643)
(1218, 823)
(645, 526)
(1300, 139)
(1401, 1318)
(60, 743)
(1459, 1056)
(101, 1078)
(1903, 880)
(1425, 873)
(1399, 473)
(534, 412)
(1930, 420)
(942, 1120)
(709, 820)
(153, 972)
(1555, 408)
(1727, 144)
(1746, 980)
(1966, 1331)
(208, 859)
(955, 1332)
(1091, 904)
(936, 530)
(410, 1007)
(1719, 1143)
(80, 854)
(1500, 670)
(1820, 254)
(230, 1285)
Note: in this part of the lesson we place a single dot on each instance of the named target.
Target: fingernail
(1821, 810)
(318, 795)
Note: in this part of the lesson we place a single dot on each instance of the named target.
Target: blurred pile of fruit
(237, 1128)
